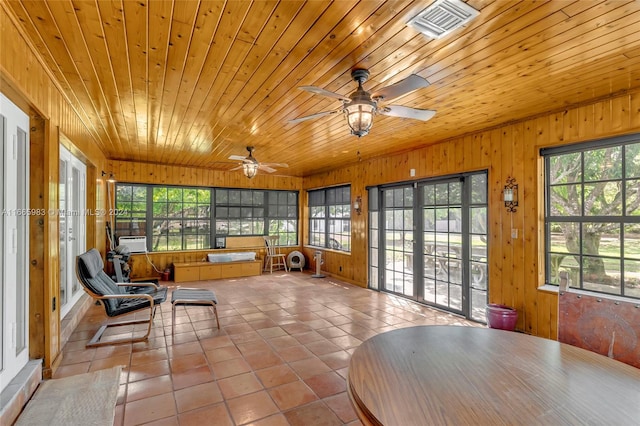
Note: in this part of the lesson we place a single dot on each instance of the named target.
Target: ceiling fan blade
(319, 91)
(406, 112)
(235, 168)
(279, 165)
(309, 117)
(237, 157)
(266, 168)
(409, 84)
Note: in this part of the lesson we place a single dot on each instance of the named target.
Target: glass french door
(14, 240)
(477, 256)
(72, 209)
(398, 241)
(428, 242)
(374, 239)
(442, 244)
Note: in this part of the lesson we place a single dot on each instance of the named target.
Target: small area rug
(84, 399)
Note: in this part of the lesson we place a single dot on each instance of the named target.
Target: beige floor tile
(210, 415)
(292, 395)
(242, 384)
(149, 387)
(197, 396)
(252, 407)
(149, 409)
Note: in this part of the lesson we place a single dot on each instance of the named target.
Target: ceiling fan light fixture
(361, 106)
(360, 117)
(250, 169)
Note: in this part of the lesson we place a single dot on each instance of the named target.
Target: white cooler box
(231, 257)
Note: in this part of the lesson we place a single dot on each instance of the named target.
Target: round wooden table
(431, 375)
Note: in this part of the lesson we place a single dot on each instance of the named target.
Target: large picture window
(190, 218)
(283, 217)
(330, 218)
(181, 218)
(593, 215)
(239, 212)
(131, 209)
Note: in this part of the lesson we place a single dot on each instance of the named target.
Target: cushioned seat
(117, 298)
(192, 297)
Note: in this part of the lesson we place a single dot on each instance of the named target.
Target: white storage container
(231, 257)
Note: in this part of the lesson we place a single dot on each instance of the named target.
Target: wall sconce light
(111, 178)
(357, 205)
(510, 194)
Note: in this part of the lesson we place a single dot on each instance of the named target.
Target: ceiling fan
(361, 106)
(250, 165)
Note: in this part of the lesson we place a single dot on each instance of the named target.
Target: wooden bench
(200, 271)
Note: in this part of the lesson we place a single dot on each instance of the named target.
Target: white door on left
(14, 240)
(73, 224)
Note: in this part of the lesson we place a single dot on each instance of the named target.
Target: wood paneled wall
(512, 150)
(28, 84)
(136, 172)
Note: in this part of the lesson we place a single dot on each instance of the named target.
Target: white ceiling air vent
(442, 17)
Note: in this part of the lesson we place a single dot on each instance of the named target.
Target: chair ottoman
(192, 297)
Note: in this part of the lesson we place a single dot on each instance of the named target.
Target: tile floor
(280, 357)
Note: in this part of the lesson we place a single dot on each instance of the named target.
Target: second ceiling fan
(250, 165)
(361, 106)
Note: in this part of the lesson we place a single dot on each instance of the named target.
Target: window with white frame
(592, 217)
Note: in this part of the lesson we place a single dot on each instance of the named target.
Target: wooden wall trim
(52, 250)
(37, 253)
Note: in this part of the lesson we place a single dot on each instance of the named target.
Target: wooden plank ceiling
(193, 82)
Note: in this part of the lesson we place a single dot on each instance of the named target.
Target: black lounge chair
(117, 298)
